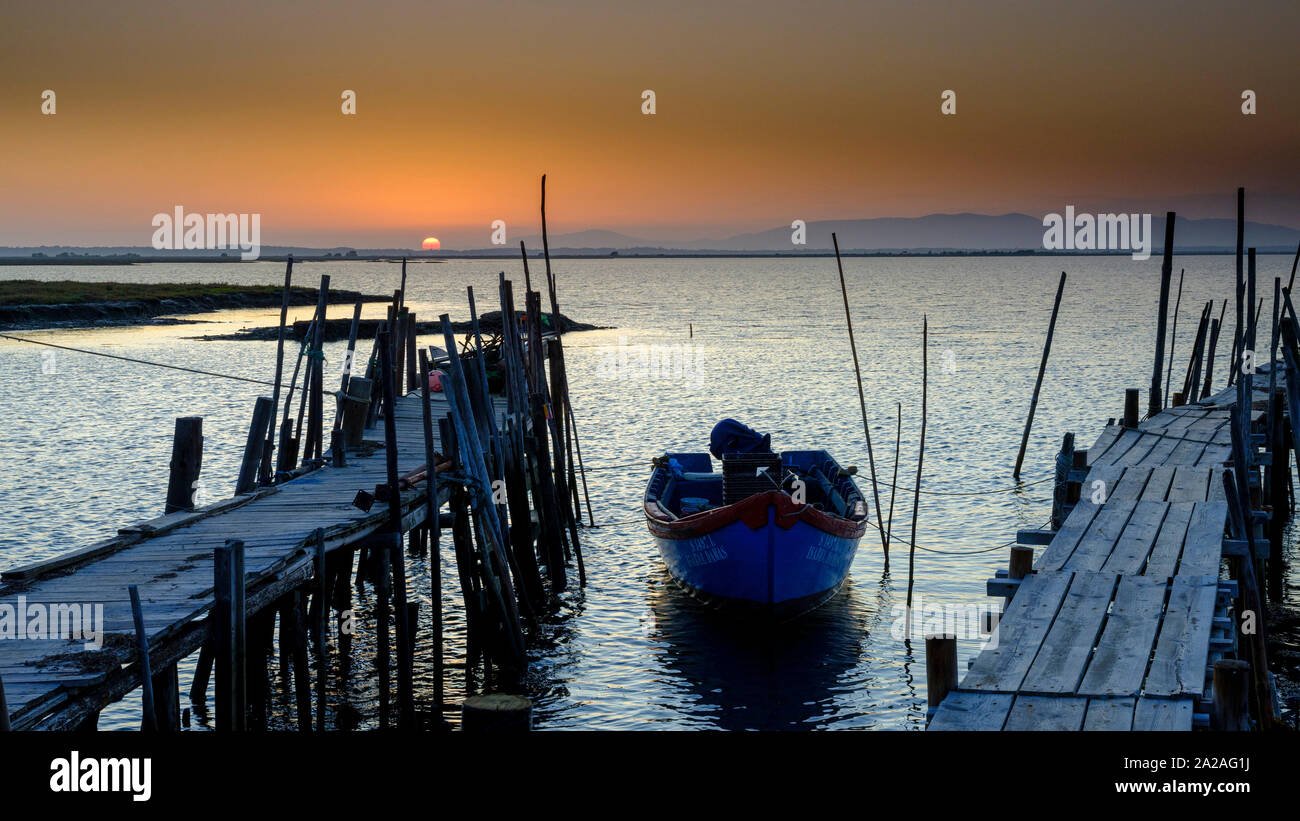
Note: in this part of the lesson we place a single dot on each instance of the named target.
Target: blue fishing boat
(772, 534)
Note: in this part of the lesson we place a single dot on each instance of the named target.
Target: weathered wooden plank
(1119, 662)
(1046, 713)
(1002, 666)
(1081, 517)
(1114, 454)
(972, 711)
(1190, 484)
(1061, 660)
(1153, 714)
(1096, 545)
(1109, 715)
(1158, 485)
(1129, 555)
(1203, 547)
(1162, 562)
(1105, 440)
(1183, 647)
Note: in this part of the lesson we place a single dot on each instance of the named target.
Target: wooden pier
(286, 548)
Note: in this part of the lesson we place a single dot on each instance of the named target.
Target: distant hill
(951, 233)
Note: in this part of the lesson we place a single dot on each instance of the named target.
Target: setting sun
(431, 244)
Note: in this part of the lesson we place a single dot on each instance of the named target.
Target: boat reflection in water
(785, 677)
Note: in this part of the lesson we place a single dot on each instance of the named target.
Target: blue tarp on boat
(730, 436)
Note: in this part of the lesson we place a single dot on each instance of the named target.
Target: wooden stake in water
(1038, 383)
(1155, 403)
(862, 401)
(150, 718)
(893, 492)
(1173, 333)
(920, 456)
(267, 471)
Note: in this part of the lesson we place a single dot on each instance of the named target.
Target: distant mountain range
(943, 233)
(935, 232)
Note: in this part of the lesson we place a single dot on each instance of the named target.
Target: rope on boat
(146, 361)
(1011, 489)
(936, 550)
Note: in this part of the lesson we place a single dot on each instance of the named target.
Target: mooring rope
(148, 362)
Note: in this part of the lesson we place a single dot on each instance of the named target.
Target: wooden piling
(406, 697)
(1042, 368)
(267, 475)
(1173, 332)
(187, 461)
(1215, 327)
(432, 529)
(1230, 707)
(496, 712)
(1021, 562)
(202, 672)
(1131, 408)
(940, 668)
(257, 433)
(223, 635)
(240, 618)
(1156, 403)
(150, 718)
(5, 725)
(321, 594)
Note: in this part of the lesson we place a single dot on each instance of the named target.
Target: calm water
(87, 441)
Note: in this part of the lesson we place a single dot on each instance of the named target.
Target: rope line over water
(147, 362)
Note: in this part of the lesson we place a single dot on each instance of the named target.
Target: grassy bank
(73, 292)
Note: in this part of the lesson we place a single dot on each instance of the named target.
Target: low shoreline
(338, 330)
(32, 305)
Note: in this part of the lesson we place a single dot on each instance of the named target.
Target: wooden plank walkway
(1120, 621)
(55, 683)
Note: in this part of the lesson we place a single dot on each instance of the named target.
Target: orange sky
(767, 112)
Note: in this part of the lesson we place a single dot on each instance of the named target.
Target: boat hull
(765, 556)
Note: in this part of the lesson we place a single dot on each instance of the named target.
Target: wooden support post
(166, 693)
(405, 694)
(1131, 408)
(266, 475)
(1061, 488)
(202, 672)
(1215, 326)
(1178, 400)
(1021, 563)
(1156, 402)
(321, 594)
(5, 726)
(257, 433)
(497, 712)
(222, 623)
(316, 414)
(355, 407)
(296, 611)
(1231, 696)
(432, 529)
(187, 461)
(238, 609)
(1038, 383)
(940, 668)
(150, 718)
(412, 373)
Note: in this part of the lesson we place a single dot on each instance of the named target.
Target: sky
(765, 112)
